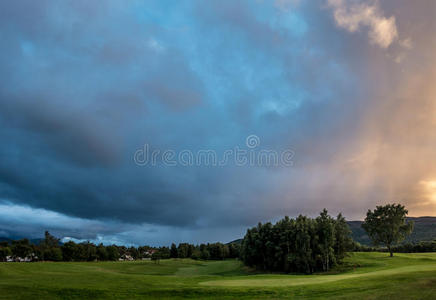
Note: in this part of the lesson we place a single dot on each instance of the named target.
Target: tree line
(214, 251)
(51, 249)
(417, 247)
(209, 251)
(302, 245)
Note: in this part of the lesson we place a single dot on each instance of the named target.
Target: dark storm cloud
(84, 84)
(69, 135)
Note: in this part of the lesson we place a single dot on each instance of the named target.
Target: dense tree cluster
(301, 245)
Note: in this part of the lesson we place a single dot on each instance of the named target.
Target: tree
(205, 254)
(158, 255)
(164, 252)
(234, 250)
(50, 241)
(387, 225)
(70, 251)
(173, 251)
(5, 251)
(326, 239)
(134, 252)
(101, 252)
(196, 254)
(21, 248)
(184, 250)
(112, 252)
(301, 258)
(88, 251)
(343, 241)
(49, 248)
(53, 254)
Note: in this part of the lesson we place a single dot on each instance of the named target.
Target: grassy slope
(365, 275)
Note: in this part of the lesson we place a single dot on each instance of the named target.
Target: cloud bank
(86, 84)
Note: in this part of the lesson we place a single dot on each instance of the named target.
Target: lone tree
(156, 257)
(387, 225)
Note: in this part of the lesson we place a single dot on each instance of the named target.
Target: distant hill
(3, 239)
(32, 241)
(238, 241)
(424, 230)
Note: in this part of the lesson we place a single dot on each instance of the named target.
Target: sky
(105, 107)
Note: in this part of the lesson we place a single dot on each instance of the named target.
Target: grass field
(363, 276)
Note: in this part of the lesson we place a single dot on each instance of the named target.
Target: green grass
(363, 276)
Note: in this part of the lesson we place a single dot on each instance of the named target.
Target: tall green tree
(102, 252)
(301, 258)
(325, 226)
(50, 241)
(234, 250)
(173, 251)
(112, 252)
(183, 250)
(70, 251)
(5, 251)
(50, 248)
(343, 240)
(387, 225)
(21, 248)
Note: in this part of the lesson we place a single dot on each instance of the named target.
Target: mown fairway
(364, 275)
